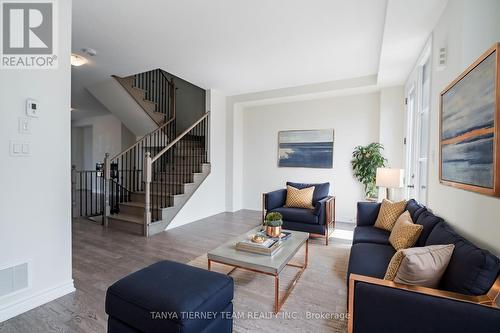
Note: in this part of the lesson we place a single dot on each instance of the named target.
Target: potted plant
(273, 223)
(365, 161)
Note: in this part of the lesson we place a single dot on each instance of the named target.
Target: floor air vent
(13, 279)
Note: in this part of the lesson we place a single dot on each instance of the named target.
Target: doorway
(417, 91)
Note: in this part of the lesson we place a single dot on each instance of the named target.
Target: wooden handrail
(179, 137)
(141, 139)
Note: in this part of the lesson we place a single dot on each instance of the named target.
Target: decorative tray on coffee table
(260, 243)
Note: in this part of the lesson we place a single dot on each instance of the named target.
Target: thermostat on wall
(32, 109)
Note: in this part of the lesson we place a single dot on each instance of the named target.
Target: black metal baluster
(86, 195)
(91, 188)
(121, 182)
(80, 192)
(129, 175)
(141, 157)
(155, 193)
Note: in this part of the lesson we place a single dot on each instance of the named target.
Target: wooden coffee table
(269, 265)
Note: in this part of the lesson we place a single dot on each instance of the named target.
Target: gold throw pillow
(299, 198)
(389, 213)
(420, 266)
(405, 233)
(394, 264)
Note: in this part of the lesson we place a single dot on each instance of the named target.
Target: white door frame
(415, 187)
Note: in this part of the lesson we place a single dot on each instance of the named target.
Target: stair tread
(177, 173)
(149, 101)
(133, 204)
(128, 218)
(140, 89)
(156, 193)
(172, 183)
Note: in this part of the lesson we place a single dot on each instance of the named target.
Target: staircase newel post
(147, 170)
(107, 186)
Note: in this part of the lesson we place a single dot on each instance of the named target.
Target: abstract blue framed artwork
(469, 128)
(306, 149)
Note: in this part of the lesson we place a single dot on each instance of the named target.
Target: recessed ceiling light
(77, 60)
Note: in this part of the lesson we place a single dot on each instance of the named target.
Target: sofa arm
(377, 305)
(324, 209)
(367, 213)
(274, 199)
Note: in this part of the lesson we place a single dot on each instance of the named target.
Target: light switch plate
(20, 148)
(24, 125)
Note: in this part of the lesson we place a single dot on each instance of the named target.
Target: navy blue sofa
(464, 302)
(171, 297)
(319, 221)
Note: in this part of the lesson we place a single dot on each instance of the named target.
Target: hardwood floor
(100, 257)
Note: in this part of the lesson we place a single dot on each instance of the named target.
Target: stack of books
(268, 247)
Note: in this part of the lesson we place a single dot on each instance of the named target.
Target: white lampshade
(390, 178)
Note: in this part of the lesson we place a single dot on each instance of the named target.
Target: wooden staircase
(149, 182)
(139, 95)
(172, 187)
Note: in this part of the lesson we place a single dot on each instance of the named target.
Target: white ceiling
(237, 46)
(408, 24)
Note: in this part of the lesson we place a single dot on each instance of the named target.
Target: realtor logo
(27, 34)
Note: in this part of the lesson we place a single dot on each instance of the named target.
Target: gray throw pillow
(420, 266)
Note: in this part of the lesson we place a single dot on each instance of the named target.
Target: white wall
(355, 120)
(391, 131)
(128, 138)
(210, 198)
(467, 29)
(106, 137)
(235, 106)
(35, 201)
(77, 153)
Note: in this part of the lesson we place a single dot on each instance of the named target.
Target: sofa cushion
(420, 266)
(405, 233)
(321, 190)
(370, 259)
(301, 215)
(471, 271)
(389, 213)
(305, 227)
(369, 234)
(367, 213)
(428, 221)
(299, 198)
(275, 199)
(168, 287)
(415, 209)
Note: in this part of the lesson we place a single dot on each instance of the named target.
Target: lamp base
(386, 193)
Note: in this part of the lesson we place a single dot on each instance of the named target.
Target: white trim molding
(18, 307)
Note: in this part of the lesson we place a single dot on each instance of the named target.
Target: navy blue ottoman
(171, 297)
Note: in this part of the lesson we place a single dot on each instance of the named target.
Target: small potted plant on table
(273, 223)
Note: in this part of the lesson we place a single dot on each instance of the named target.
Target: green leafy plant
(365, 161)
(274, 219)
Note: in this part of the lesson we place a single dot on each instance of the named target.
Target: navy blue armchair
(319, 221)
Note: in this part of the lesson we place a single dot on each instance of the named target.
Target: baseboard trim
(32, 301)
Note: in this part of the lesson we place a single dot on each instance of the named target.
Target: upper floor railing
(87, 187)
(159, 89)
